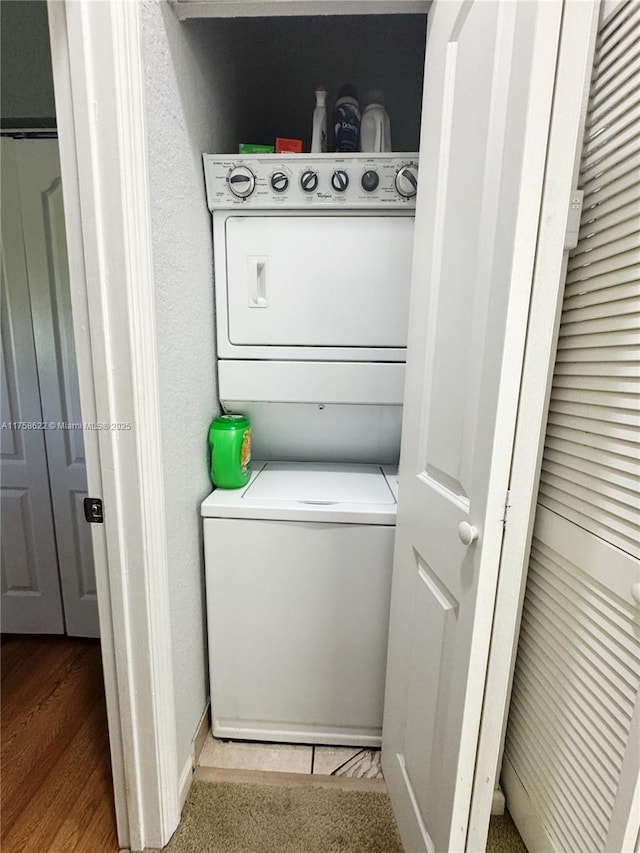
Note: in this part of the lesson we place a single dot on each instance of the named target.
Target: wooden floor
(56, 792)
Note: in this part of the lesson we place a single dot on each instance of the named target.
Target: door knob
(467, 533)
(635, 592)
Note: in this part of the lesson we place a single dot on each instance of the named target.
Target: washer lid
(299, 491)
(328, 483)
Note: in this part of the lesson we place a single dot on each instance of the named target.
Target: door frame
(566, 133)
(99, 89)
(99, 82)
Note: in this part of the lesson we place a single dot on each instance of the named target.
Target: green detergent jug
(230, 443)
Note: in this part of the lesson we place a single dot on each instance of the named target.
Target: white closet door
(48, 274)
(573, 739)
(488, 98)
(31, 600)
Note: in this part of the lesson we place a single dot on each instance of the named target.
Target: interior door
(46, 542)
(31, 600)
(577, 674)
(487, 103)
(45, 246)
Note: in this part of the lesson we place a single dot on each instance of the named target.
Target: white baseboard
(202, 730)
(497, 802)
(197, 742)
(528, 823)
(185, 781)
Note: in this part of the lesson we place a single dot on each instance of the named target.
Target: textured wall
(26, 79)
(189, 86)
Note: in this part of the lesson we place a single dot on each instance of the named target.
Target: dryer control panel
(302, 181)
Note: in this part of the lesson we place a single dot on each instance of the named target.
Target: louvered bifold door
(574, 724)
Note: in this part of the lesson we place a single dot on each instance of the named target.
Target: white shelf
(268, 8)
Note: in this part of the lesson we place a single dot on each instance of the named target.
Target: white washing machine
(312, 261)
(298, 581)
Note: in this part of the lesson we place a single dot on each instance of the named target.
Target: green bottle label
(245, 451)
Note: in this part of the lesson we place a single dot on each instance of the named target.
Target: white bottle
(319, 134)
(375, 128)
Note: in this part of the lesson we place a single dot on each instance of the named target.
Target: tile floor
(292, 758)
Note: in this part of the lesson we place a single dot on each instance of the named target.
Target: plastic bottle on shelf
(319, 134)
(230, 451)
(375, 127)
(346, 120)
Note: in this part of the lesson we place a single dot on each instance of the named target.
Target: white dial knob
(340, 180)
(279, 181)
(467, 533)
(242, 181)
(407, 180)
(309, 181)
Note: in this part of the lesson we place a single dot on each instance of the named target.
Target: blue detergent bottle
(346, 120)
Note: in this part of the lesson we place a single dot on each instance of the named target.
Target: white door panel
(476, 225)
(46, 542)
(577, 674)
(319, 281)
(577, 680)
(46, 256)
(31, 598)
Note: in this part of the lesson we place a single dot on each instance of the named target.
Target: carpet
(223, 817)
(503, 836)
(228, 817)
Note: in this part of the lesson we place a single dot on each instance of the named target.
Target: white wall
(189, 88)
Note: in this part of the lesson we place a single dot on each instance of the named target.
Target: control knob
(340, 180)
(279, 182)
(309, 181)
(242, 181)
(370, 180)
(407, 180)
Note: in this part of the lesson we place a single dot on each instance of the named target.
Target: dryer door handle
(257, 281)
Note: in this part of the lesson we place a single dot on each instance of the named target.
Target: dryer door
(320, 281)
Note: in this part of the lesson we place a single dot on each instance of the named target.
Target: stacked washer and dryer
(312, 258)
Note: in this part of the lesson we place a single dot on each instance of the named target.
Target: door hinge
(93, 510)
(573, 220)
(507, 507)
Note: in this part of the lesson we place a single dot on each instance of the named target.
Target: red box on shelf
(288, 146)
